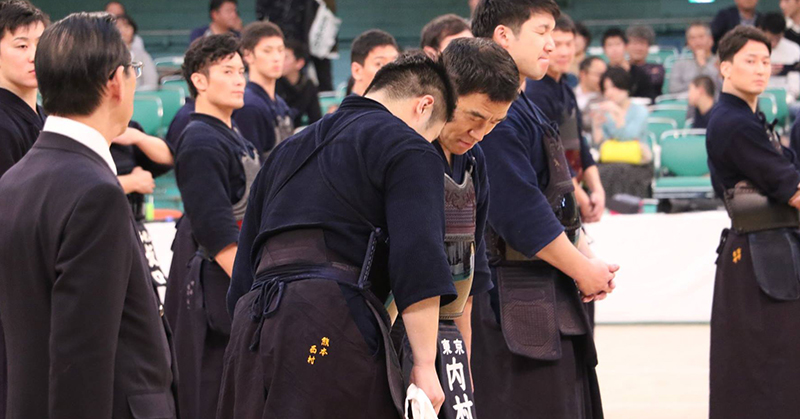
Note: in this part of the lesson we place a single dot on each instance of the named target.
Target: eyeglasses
(137, 69)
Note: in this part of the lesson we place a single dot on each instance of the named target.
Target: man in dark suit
(83, 333)
(744, 13)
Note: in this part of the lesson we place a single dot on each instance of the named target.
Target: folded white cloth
(421, 406)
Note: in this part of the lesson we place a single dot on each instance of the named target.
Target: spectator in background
(744, 13)
(785, 56)
(128, 29)
(701, 63)
(640, 39)
(118, 9)
(616, 123)
(369, 52)
(295, 88)
(791, 11)
(588, 91)
(615, 44)
(701, 99)
(438, 33)
(583, 38)
(224, 16)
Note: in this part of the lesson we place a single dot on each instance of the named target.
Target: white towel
(421, 406)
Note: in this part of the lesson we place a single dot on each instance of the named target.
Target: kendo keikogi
(214, 168)
(263, 121)
(755, 320)
(533, 350)
(341, 215)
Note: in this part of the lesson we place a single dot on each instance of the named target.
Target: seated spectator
(701, 63)
(224, 16)
(299, 92)
(438, 33)
(640, 39)
(583, 38)
(744, 13)
(615, 44)
(588, 91)
(118, 9)
(369, 52)
(128, 29)
(619, 127)
(791, 10)
(701, 99)
(785, 53)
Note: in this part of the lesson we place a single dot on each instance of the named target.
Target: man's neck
(102, 122)
(641, 62)
(203, 106)
(705, 104)
(266, 83)
(217, 28)
(747, 14)
(795, 17)
(359, 89)
(293, 77)
(752, 100)
(27, 95)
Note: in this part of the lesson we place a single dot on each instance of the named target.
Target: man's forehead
(479, 104)
(541, 20)
(753, 49)
(32, 30)
(383, 51)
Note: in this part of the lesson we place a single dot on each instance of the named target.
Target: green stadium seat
(328, 99)
(658, 126)
(166, 194)
(149, 112)
(172, 99)
(173, 62)
(768, 104)
(675, 112)
(672, 99)
(176, 81)
(682, 166)
(781, 106)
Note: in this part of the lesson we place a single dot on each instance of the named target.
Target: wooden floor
(653, 371)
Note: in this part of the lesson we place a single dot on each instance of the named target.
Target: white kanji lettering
(455, 372)
(463, 409)
(446, 347)
(459, 346)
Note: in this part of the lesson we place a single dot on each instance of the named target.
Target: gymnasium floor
(653, 371)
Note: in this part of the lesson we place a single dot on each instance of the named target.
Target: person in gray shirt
(702, 63)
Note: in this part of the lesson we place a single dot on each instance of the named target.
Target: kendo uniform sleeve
(482, 281)
(255, 127)
(202, 180)
(519, 212)
(752, 154)
(416, 233)
(93, 265)
(10, 150)
(145, 162)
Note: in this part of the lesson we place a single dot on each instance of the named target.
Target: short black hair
(479, 65)
(642, 32)
(620, 78)
(614, 33)
(737, 38)
(215, 5)
(565, 24)
(204, 52)
(582, 30)
(586, 64)
(15, 14)
(415, 74)
(705, 83)
(774, 23)
(298, 48)
(489, 14)
(367, 41)
(75, 58)
(130, 21)
(256, 31)
(441, 27)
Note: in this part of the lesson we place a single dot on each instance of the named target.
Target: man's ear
(503, 36)
(424, 107)
(200, 82)
(725, 68)
(356, 70)
(299, 64)
(430, 52)
(116, 84)
(249, 57)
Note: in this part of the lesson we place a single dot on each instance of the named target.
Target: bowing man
(309, 286)
(82, 326)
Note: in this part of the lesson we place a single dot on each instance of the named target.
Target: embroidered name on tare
(322, 351)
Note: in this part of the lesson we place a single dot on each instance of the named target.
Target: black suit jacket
(83, 334)
(724, 21)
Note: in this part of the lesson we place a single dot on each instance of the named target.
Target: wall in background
(165, 24)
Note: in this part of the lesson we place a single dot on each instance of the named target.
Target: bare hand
(142, 181)
(131, 136)
(425, 378)
(598, 278)
(598, 205)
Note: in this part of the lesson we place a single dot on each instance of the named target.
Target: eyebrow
(21, 38)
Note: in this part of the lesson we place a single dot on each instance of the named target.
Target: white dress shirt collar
(83, 134)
